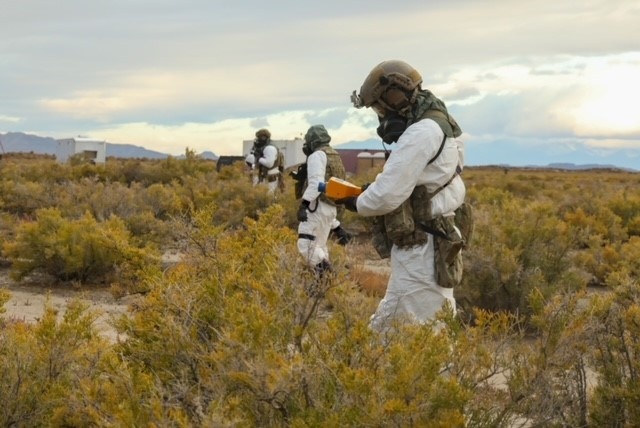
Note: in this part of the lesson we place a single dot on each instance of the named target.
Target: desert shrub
(236, 198)
(613, 331)
(23, 198)
(4, 298)
(230, 337)
(606, 261)
(82, 250)
(233, 337)
(633, 227)
(43, 365)
(627, 207)
(162, 201)
(607, 220)
(7, 228)
(518, 247)
(39, 170)
(147, 228)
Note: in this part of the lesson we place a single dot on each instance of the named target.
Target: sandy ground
(29, 298)
(28, 301)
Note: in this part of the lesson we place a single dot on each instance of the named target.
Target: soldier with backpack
(267, 161)
(339, 233)
(414, 200)
(316, 212)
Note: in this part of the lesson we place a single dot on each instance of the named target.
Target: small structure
(89, 149)
(227, 160)
(368, 160)
(358, 161)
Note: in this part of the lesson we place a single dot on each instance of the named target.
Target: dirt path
(27, 303)
(28, 299)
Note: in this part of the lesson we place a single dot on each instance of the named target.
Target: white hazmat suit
(412, 289)
(313, 233)
(268, 162)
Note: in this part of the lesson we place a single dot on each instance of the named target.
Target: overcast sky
(206, 74)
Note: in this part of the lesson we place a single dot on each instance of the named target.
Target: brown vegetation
(227, 335)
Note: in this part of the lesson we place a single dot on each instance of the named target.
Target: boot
(342, 235)
(321, 268)
(317, 287)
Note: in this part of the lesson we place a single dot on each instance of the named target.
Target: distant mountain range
(505, 153)
(500, 153)
(18, 142)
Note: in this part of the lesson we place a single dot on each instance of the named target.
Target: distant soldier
(267, 161)
(316, 212)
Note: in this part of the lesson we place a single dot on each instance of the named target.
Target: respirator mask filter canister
(391, 127)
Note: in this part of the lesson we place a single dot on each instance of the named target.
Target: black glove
(350, 203)
(302, 211)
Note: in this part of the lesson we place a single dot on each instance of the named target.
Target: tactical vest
(335, 168)
(412, 222)
(404, 225)
(263, 170)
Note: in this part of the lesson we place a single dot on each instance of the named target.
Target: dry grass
(368, 271)
(371, 282)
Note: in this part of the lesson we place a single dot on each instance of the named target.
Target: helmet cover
(315, 137)
(392, 74)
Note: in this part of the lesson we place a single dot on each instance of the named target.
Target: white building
(291, 149)
(91, 150)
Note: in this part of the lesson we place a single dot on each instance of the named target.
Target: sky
(521, 77)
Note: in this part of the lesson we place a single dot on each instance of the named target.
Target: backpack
(300, 176)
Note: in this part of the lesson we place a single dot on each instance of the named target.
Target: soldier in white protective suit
(265, 162)
(317, 213)
(412, 201)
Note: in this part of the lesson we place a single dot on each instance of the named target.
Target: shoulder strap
(439, 150)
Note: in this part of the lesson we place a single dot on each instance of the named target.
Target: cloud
(200, 76)
(9, 119)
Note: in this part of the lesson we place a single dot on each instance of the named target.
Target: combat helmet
(391, 85)
(262, 136)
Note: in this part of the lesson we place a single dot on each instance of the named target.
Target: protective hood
(315, 137)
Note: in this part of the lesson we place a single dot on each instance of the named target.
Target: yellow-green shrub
(82, 250)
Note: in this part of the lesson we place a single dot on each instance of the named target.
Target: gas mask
(306, 149)
(391, 127)
(260, 141)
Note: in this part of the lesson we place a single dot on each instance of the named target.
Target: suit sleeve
(400, 174)
(270, 154)
(316, 169)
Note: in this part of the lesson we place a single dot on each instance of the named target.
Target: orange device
(337, 188)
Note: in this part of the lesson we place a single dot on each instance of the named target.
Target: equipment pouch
(421, 204)
(448, 244)
(399, 222)
(379, 238)
(464, 222)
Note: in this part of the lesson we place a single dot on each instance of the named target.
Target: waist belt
(306, 236)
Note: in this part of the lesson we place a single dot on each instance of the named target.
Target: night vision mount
(356, 100)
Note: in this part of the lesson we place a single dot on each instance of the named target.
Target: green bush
(229, 337)
(78, 250)
(43, 365)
